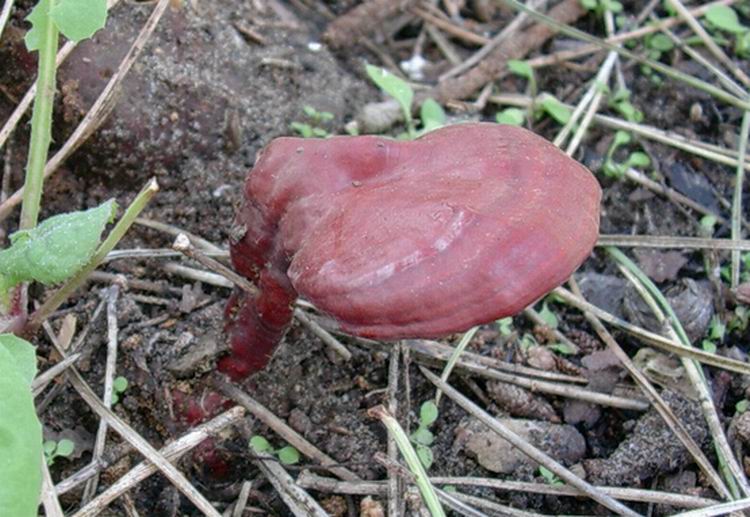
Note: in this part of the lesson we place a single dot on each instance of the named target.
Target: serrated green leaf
(57, 248)
(39, 20)
(428, 413)
(425, 456)
(79, 19)
(23, 354)
(432, 115)
(511, 116)
(422, 436)
(725, 18)
(260, 444)
(20, 442)
(288, 455)
(392, 85)
(65, 447)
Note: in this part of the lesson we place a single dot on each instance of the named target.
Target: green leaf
(23, 354)
(39, 20)
(260, 444)
(425, 456)
(638, 159)
(521, 68)
(556, 109)
(708, 222)
(20, 439)
(432, 115)
(57, 248)
(504, 325)
(562, 348)
(725, 18)
(548, 316)
(65, 447)
(660, 42)
(79, 19)
(393, 86)
(288, 455)
(708, 346)
(589, 5)
(428, 413)
(120, 384)
(305, 130)
(511, 116)
(422, 436)
(742, 406)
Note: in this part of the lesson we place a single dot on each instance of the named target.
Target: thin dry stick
(99, 111)
(737, 198)
(395, 486)
(41, 381)
(171, 452)
(318, 483)
(326, 337)
(655, 340)
(280, 427)
(50, 502)
(135, 439)
(169, 229)
(199, 275)
(733, 508)
(239, 507)
(109, 374)
(299, 502)
(183, 245)
(528, 449)
(536, 386)
(657, 401)
(4, 15)
(669, 241)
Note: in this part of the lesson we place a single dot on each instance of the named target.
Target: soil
(200, 102)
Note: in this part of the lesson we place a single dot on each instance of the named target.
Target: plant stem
(41, 125)
(429, 496)
(122, 226)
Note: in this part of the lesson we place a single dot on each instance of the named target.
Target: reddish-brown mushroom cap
(423, 238)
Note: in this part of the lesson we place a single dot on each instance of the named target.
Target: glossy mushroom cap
(423, 238)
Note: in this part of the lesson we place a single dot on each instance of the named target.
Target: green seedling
(739, 320)
(119, 385)
(656, 45)
(313, 127)
(741, 406)
(511, 116)
(53, 450)
(724, 18)
(614, 169)
(549, 105)
(422, 437)
(716, 331)
(620, 102)
(398, 89)
(287, 455)
(505, 326)
(549, 477)
(600, 7)
(527, 341)
(431, 114)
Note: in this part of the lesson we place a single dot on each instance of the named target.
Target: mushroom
(396, 239)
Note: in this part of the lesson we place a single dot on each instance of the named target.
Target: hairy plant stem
(41, 125)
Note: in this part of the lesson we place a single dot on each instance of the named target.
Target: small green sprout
(313, 128)
(53, 450)
(287, 455)
(422, 438)
(620, 102)
(615, 169)
(601, 6)
(548, 316)
(550, 476)
(396, 88)
(527, 341)
(119, 385)
(505, 326)
(432, 115)
(549, 105)
(511, 116)
(742, 406)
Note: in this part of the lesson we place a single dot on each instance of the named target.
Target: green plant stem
(429, 496)
(122, 226)
(737, 198)
(41, 125)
